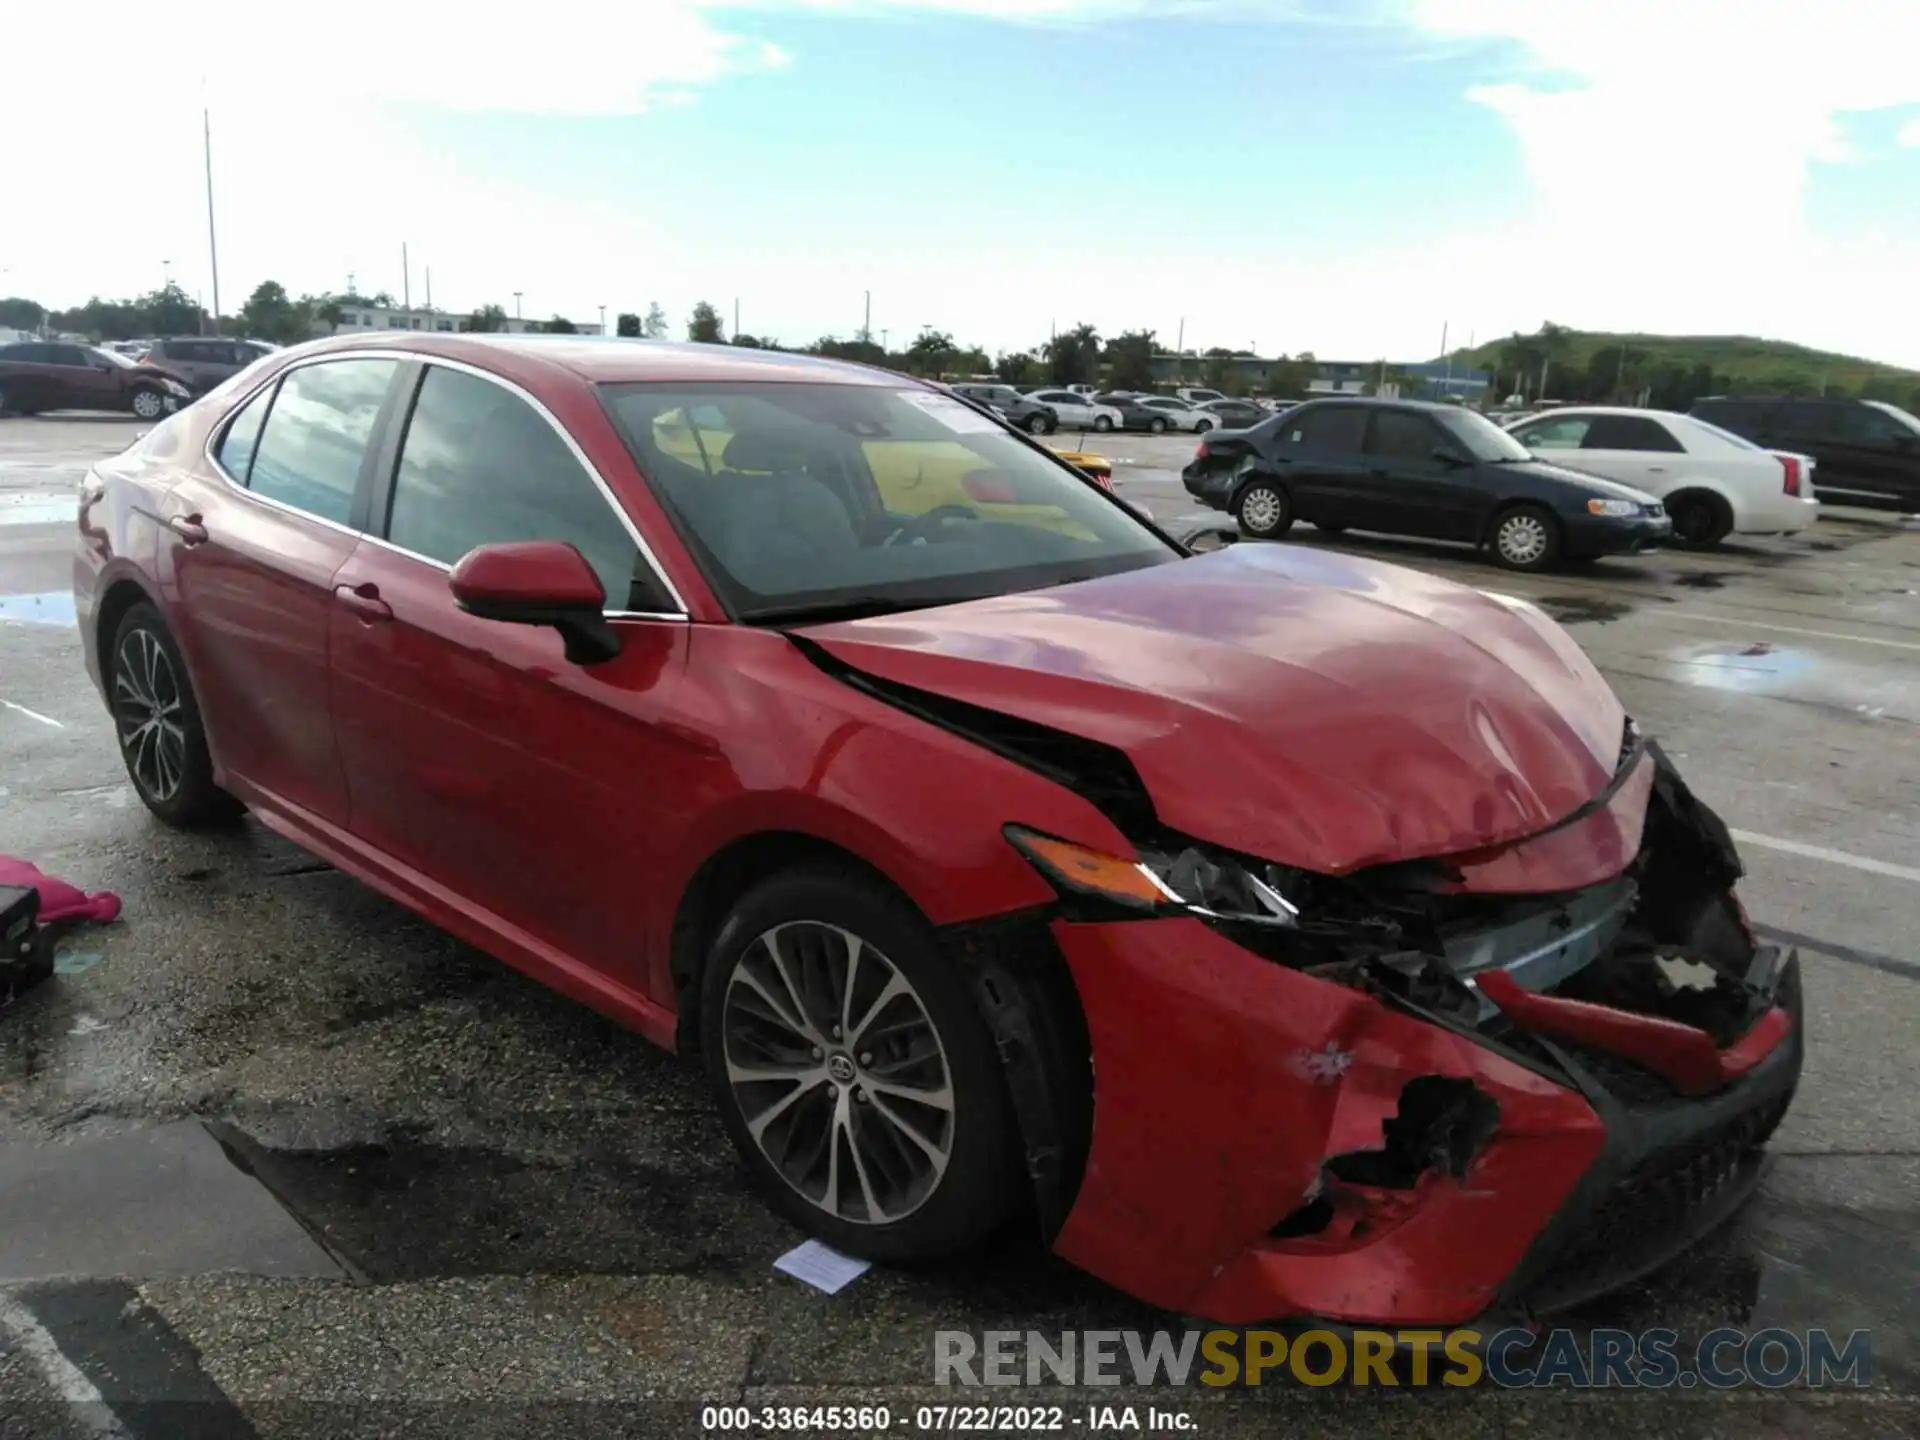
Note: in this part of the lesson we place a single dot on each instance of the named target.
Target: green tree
(1021, 369)
(560, 325)
(654, 327)
(329, 312)
(1073, 356)
(627, 325)
(931, 352)
(1219, 372)
(754, 342)
(19, 313)
(1130, 360)
(270, 314)
(863, 352)
(487, 320)
(704, 325)
(1289, 379)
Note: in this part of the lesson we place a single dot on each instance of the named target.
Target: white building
(363, 319)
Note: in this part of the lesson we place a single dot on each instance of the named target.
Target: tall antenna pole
(213, 249)
(429, 289)
(406, 279)
(866, 326)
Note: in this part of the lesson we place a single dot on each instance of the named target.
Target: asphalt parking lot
(365, 1180)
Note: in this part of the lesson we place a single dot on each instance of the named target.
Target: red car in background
(1285, 933)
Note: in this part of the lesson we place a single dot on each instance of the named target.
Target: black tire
(1263, 510)
(1158, 427)
(1203, 427)
(1525, 538)
(148, 403)
(144, 658)
(1102, 424)
(981, 1185)
(1039, 424)
(1701, 519)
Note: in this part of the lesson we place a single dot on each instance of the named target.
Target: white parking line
(33, 714)
(1796, 630)
(35, 1342)
(1832, 857)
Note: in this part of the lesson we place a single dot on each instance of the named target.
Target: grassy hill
(1742, 362)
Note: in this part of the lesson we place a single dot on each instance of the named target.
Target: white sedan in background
(1712, 482)
(1078, 412)
(1180, 415)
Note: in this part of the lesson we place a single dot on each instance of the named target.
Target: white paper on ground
(821, 1267)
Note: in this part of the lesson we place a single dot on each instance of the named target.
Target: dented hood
(1311, 708)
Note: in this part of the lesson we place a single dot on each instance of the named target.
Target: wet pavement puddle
(1787, 673)
(49, 607)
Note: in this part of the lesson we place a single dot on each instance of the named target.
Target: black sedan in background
(1405, 468)
(1134, 415)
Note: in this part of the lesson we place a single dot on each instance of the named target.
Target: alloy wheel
(1522, 539)
(1260, 509)
(839, 1072)
(148, 715)
(147, 404)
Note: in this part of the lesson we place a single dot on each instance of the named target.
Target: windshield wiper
(848, 607)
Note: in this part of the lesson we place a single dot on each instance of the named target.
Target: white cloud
(1667, 146)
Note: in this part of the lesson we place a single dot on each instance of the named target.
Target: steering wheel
(921, 527)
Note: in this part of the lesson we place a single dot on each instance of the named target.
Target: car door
(25, 376)
(1071, 409)
(1317, 457)
(82, 380)
(1881, 451)
(1406, 488)
(248, 557)
(540, 792)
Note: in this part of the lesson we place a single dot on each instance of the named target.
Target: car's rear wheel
(157, 722)
(1203, 427)
(1157, 426)
(149, 404)
(1102, 424)
(1701, 519)
(1526, 537)
(1263, 510)
(1039, 424)
(855, 1073)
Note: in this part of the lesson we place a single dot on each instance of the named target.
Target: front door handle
(1656, 469)
(364, 600)
(188, 528)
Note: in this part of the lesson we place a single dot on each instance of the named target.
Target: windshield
(1905, 420)
(801, 500)
(1484, 439)
(115, 356)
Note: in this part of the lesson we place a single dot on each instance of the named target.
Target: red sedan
(1284, 933)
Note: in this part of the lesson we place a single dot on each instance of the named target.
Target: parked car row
(38, 375)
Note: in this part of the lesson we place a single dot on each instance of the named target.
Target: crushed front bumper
(1225, 1083)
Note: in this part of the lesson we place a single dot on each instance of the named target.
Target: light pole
(603, 319)
(516, 304)
(166, 276)
(213, 249)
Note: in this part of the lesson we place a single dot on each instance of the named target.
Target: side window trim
(219, 438)
(394, 437)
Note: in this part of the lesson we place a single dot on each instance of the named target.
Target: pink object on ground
(58, 899)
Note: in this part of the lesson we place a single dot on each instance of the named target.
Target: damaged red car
(1284, 933)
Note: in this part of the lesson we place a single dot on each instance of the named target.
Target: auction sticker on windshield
(961, 419)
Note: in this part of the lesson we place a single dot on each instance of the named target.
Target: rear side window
(1562, 433)
(243, 436)
(1399, 435)
(1866, 425)
(480, 466)
(315, 439)
(1806, 417)
(1745, 417)
(1629, 432)
(1339, 428)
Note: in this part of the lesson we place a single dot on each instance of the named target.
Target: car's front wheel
(1039, 424)
(1102, 424)
(1203, 427)
(157, 722)
(1526, 538)
(149, 404)
(1263, 510)
(1158, 427)
(854, 1072)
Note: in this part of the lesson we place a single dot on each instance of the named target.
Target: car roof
(610, 359)
(1560, 410)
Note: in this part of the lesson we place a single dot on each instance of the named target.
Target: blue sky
(1342, 178)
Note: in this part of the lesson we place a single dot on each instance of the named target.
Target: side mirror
(1447, 455)
(539, 582)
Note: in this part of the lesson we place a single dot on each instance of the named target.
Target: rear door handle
(1656, 469)
(188, 528)
(364, 600)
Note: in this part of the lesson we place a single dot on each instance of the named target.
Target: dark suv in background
(38, 375)
(1868, 452)
(203, 363)
(1029, 414)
